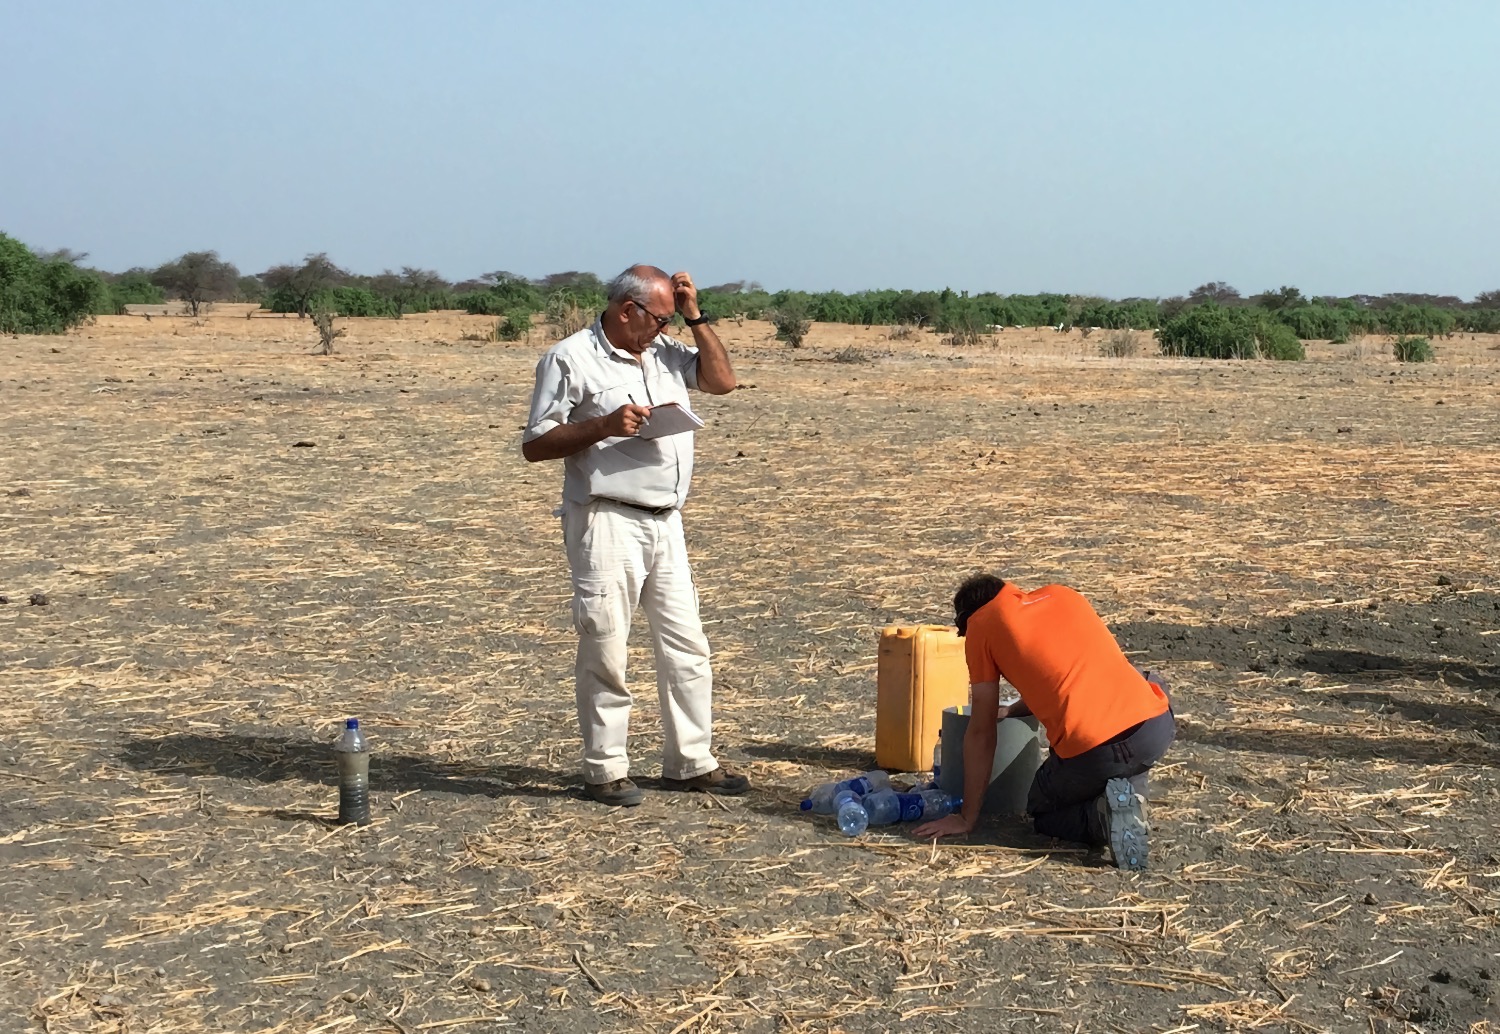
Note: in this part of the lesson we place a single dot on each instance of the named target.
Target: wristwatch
(702, 319)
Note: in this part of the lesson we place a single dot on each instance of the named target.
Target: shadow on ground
(1338, 745)
(269, 759)
(832, 758)
(1464, 717)
(1448, 638)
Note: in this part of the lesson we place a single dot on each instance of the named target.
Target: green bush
(513, 326)
(1213, 331)
(1210, 331)
(723, 305)
(1131, 314)
(501, 299)
(482, 303)
(354, 301)
(1480, 321)
(133, 287)
(917, 307)
(39, 297)
(791, 320)
(1412, 349)
(965, 320)
(1417, 319)
(1278, 341)
(344, 300)
(1318, 321)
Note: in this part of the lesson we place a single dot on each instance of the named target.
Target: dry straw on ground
(240, 543)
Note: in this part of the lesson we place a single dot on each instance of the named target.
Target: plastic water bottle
(883, 807)
(853, 819)
(929, 805)
(353, 756)
(937, 766)
(820, 801)
(886, 806)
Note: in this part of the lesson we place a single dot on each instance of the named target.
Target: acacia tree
(197, 278)
(68, 255)
(500, 277)
(1213, 291)
(299, 285)
(572, 280)
(1285, 297)
(415, 288)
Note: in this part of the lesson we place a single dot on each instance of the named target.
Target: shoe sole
(1129, 836)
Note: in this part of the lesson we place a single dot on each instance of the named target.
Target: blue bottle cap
(807, 804)
(351, 723)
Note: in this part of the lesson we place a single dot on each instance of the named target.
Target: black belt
(655, 511)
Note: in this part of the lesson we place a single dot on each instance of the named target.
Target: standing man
(622, 525)
(1106, 721)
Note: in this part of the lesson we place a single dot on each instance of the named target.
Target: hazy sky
(1089, 147)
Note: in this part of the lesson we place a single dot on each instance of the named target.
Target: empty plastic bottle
(937, 766)
(853, 819)
(882, 807)
(929, 805)
(820, 801)
(886, 806)
(353, 757)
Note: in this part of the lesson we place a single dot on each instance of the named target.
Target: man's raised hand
(685, 295)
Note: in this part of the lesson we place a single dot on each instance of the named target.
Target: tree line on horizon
(49, 292)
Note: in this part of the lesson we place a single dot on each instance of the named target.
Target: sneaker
(1129, 840)
(618, 793)
(725, 784)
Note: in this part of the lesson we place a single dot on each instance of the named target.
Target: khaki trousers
(621, 558)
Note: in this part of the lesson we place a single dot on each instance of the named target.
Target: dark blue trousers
(1061, 801)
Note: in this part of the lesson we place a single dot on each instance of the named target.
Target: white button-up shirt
(584, 376)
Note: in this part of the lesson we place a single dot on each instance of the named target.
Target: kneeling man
(1107, 722)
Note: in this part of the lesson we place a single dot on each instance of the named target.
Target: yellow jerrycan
(919, 671)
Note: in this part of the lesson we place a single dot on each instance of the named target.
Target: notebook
(669, 418)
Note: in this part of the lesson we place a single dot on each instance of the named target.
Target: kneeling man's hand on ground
(947, 826)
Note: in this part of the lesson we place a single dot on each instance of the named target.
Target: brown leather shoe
(620, 793)
(725, 784)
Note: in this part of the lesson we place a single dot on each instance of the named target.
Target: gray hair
(635, 283)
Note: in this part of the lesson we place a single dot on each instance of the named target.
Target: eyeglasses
(661, 321)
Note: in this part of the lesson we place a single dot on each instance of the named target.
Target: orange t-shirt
(1064, 662)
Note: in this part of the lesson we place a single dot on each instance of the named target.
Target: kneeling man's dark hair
(974, 593)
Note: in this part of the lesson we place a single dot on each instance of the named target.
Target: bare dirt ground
(239, 544)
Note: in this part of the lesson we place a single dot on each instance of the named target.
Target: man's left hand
(947, 826)
(685, 294)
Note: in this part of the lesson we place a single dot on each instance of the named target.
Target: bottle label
(911, 806)
(860, 785)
